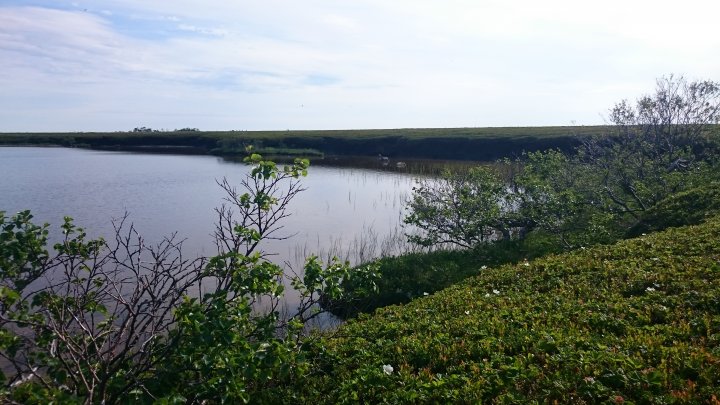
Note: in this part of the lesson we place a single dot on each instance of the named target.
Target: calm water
(344, 210)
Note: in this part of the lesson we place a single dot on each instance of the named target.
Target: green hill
(636, 322)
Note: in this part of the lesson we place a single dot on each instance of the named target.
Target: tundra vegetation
(559, 307)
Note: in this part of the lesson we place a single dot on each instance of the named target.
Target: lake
(354, 212)
(351, 212)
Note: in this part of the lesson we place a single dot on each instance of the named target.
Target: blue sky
(107, 65)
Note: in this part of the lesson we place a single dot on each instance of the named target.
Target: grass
(417, 133)
(476, 144)
(270, 152)
(635, 322)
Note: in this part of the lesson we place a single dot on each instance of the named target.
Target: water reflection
(410, 166)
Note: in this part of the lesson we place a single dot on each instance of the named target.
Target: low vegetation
(406, 277)
(635, 322)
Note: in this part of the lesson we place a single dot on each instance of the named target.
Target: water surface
(164, 194)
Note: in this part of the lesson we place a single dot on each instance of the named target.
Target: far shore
(444, 143)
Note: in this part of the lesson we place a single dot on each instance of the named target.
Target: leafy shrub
(98, 321)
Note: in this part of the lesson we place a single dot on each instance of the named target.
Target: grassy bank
(445, 143)
(635, 322)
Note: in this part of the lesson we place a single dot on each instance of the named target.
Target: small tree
(464, 209)
(556, 195)
(657, 147)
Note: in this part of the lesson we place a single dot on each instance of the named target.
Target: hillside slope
(634, 322)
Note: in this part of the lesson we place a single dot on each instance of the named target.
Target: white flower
(487, 294)
(426, 294)
(649, 289)
(496, 292)
(467, 312)
(526, 264)
(388, 369)
(483, 267)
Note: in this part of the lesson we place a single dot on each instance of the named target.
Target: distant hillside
(445, 143)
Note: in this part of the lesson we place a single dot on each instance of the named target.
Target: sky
(113, 65)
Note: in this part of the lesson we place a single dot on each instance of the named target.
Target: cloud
(218, 32)
(56, 42)
(368, 63)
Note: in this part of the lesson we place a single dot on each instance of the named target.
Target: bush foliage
(109, 321)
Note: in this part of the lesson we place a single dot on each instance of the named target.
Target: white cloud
(218, 32)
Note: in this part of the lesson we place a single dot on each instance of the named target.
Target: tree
(656, 147)
(463, 209)
(556, 194)
(100, 321)
(655, 144)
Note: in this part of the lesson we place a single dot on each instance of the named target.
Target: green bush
(119, 321)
